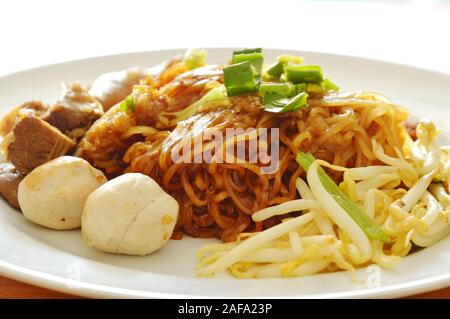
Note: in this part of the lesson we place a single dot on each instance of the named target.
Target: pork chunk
(75, 112)
(12, 117)
(35, 142)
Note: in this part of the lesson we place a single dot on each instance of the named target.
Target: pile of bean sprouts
(408, 197)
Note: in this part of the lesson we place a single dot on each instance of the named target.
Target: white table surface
(34, 33)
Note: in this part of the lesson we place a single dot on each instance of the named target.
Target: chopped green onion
(214, 98)
(247, 51)
(321, 88)
(239, 78)
(285, 59)
(256, 59)
(270, 97)
(273, 103)
(372, 230)
(284, 89)
(128, 104)
(277, 97)
(194, 58)
(303, 73)
(301, 87)
(313, 88)
(276, 69)
(329, 86)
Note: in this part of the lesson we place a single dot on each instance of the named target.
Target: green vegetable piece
(239, 78)
(256, 59)
(313, 88)
(128, 104)
(216, 96)
(276, 103)
(328, 85)
(270, 97)
(301, 87)
(247, 51)
(372, 230)
(321, 88)
(284, 89)
(275, 70)
(194, 58)
(285, 59)
(303, 73)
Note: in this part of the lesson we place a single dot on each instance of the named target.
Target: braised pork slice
(75, 112)
(35, 142)
(12, 117)
(10, 178)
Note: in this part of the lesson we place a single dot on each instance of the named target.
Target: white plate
(60, 260)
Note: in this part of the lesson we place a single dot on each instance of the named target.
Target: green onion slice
(214, 98)
(277, 103)
(239, 78)
(325, 86)
(285, 59)
(194, 58)
(328, 85)
(303, 73)
(284, 89)
(247, 51)
(301, 87)
(276, 69)
(256, 59)
(313, 88)
(128, 104)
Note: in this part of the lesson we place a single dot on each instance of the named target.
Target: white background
(34, 33)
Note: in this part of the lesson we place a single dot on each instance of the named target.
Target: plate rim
(92, 290)
(313, 52)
